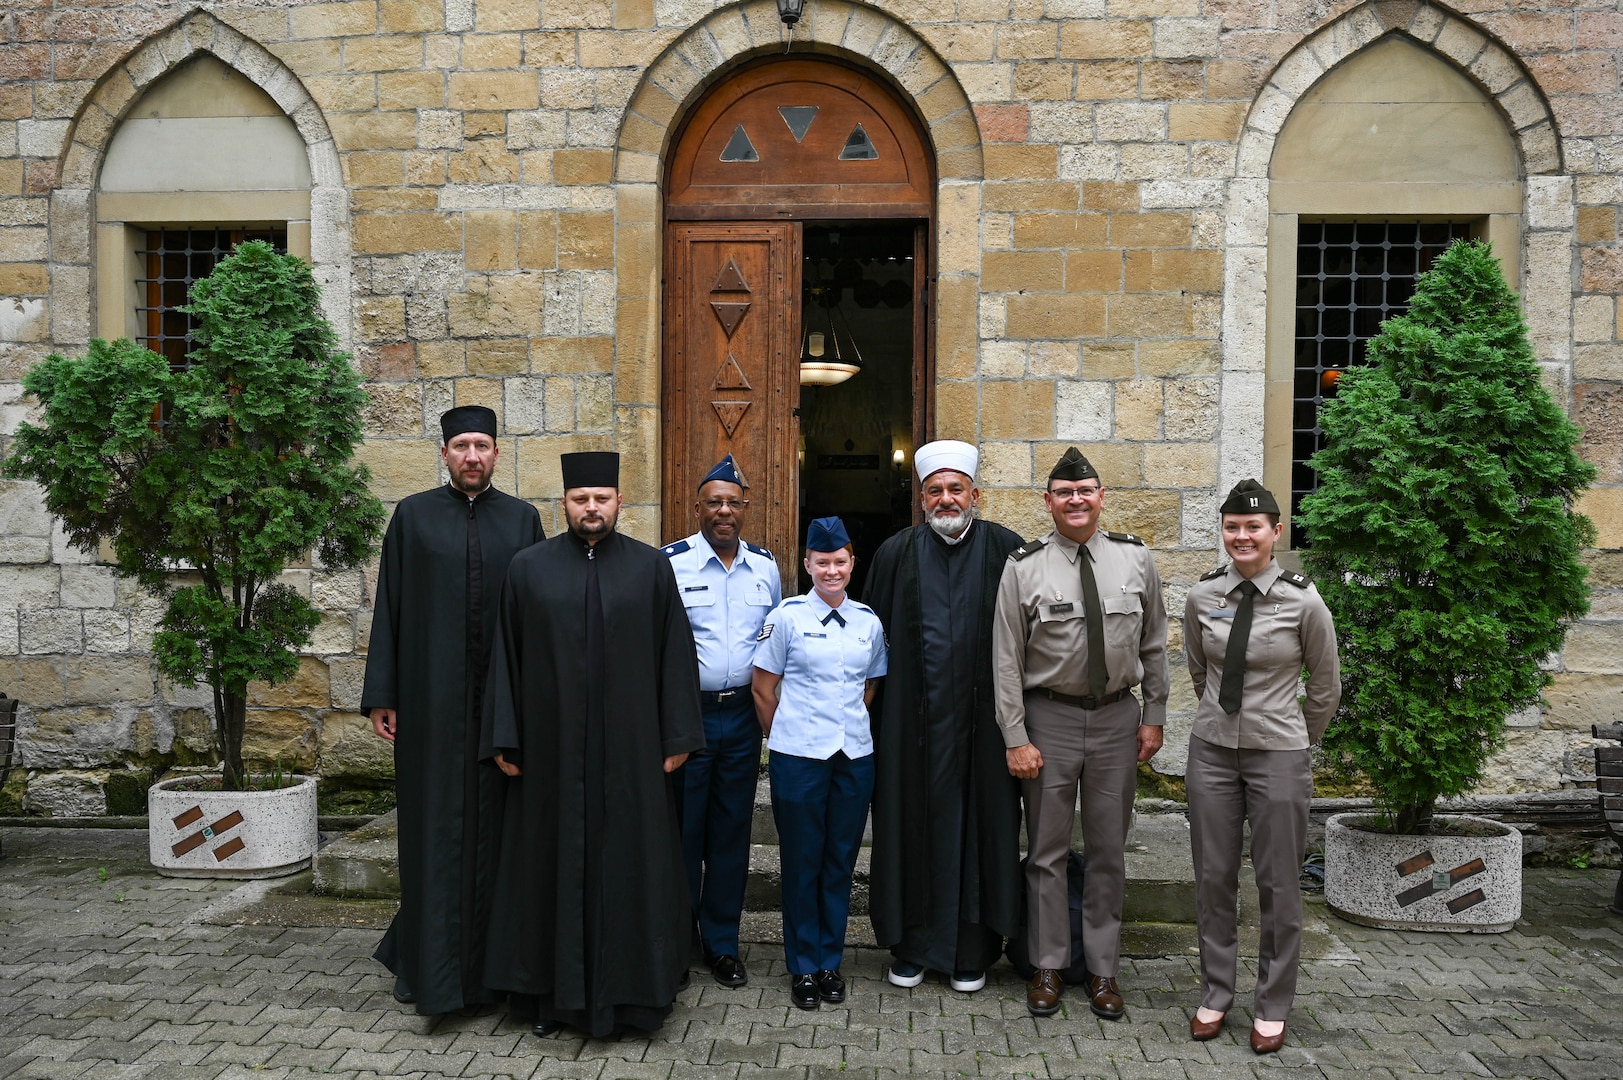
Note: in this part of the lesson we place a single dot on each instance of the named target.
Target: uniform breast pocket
(759, 595)
(1123, 614)
(1064, 617)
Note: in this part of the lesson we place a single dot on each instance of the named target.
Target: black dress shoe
(402, 993)
(830, 987)
(543, 1028)
(803, 991)
(729, 971)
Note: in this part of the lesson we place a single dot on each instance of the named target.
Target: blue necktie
(836, 616)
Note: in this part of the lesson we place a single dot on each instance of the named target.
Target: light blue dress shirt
(824, 667)
(725, 607)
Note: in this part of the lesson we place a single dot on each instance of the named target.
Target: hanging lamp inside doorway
(817, 366)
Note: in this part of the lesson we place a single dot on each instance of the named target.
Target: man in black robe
(945, 880)
(594, 701)
(444, 557)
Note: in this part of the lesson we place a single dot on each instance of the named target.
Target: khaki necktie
(1098, 675)
(1233, 686)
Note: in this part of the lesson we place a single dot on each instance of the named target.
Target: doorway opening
(856, 437)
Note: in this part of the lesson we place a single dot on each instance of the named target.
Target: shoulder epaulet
(860, 606)
(1296, 579)
(757, 550)
(1219, 572)
(1029, 548)
(1125, 538)
(676, 548)
(788, 600)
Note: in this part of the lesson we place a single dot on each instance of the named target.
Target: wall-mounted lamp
(898, 457)
(790, 11)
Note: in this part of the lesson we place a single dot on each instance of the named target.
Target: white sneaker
(967, 982)
(904, 974)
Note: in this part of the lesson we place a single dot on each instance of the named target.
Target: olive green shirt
(1039, 630)
(1290, 629)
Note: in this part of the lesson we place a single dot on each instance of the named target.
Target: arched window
(204, 160)
(1390, 156)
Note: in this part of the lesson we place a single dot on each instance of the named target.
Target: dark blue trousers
(820, 808)
(718, 802)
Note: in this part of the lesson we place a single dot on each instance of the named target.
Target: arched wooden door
(777, 144)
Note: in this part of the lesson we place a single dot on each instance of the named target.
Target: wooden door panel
(732, 372)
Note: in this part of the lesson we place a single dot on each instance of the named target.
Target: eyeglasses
(734, 505)
(1067, 494)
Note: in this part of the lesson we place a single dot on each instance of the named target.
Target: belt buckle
(723, 695)
(1089, 701)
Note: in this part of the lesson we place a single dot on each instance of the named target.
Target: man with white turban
(945, 886)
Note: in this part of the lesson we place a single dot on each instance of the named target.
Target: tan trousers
(1099, 750)
(1271, 789)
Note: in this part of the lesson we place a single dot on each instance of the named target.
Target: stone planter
(1450, 883)
(231, 834)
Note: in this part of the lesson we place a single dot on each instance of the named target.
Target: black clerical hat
(466, 418)
(591, 468)
(1073, 466)
(1249, 497)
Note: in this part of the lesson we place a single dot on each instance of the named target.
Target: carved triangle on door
(730, 314)
(730, 279)
(729, 376)
(730, 413)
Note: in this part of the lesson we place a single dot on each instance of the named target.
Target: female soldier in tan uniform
(1249, 629)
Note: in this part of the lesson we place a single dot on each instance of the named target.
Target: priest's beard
(593, 525)
(471, 483)
(949, 524)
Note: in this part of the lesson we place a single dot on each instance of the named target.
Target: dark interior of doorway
(858, 285)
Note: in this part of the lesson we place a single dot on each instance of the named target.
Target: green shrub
(1443, 536)
(248, 471)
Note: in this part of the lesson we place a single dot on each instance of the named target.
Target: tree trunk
(1415, 817)
(230, 710)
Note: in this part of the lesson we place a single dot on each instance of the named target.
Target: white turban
(946, 454)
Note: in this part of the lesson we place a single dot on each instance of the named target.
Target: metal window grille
(1351, 276)
(173, 260)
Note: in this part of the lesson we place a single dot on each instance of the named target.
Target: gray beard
(948, 528)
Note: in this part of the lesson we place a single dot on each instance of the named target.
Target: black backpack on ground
(1016, 948)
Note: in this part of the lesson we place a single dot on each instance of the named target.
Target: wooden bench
(1609, 783)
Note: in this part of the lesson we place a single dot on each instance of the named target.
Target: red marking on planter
(1469, 900)
(228, 849)
(210, 832)
(185, 819)
(1416, 864)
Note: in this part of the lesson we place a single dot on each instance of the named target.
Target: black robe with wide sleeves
(590, 917)
(432, 626)
(912, 757)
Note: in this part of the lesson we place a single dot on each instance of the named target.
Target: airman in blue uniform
(727, 586)
(826, 653)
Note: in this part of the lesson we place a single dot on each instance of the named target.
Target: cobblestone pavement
(107, 970)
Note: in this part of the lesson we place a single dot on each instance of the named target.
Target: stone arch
(92, 130)
(733, 35)
(1545, 255)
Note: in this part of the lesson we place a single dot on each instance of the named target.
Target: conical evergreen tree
(1443, 536)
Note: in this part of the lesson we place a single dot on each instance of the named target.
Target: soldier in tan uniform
(1079, 622)
(1249, 629)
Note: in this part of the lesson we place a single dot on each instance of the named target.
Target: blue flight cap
(725, 469)
(826, 534)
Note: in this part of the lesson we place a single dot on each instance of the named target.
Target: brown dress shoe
(1267, 1044)
(1042, 994)
(1200, 1030)
(1103, 997)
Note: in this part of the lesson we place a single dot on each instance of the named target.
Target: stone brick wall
(486, 221)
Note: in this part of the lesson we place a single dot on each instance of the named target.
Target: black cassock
(594, 682)
(945, 879)
(444, 557)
